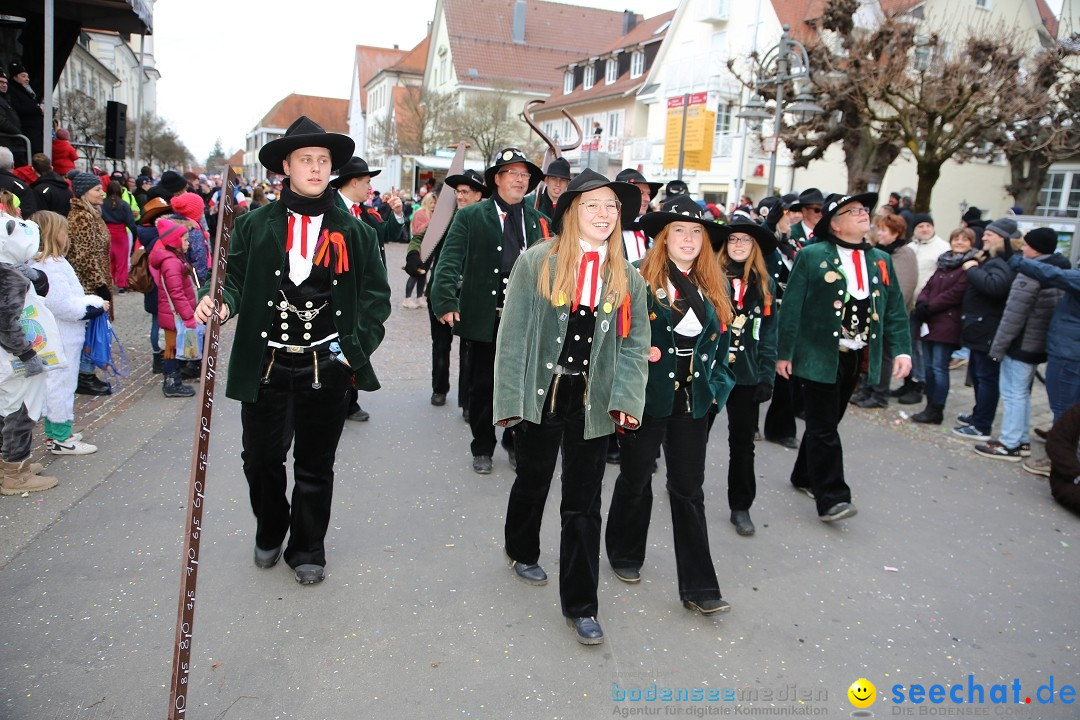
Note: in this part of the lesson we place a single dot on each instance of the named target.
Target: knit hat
(1004, 227)
(62, 134)
(171, 232)
(972, 214)
(921, 218)
(189, 205)
(15, 68)
(83, 182)
(1016, 210)
(172, 181)
(1044, 240)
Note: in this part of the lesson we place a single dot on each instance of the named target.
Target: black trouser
(780, 417)
(481, 397)
(442, 338)
(17, 435)
(820, 465)
(582, 479)
(742, 413)
(288, 405)
(685, 440)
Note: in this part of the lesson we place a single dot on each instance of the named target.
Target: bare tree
(82, 116)
(486, 120)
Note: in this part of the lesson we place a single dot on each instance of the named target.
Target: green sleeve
(444, 290)
(790, 316)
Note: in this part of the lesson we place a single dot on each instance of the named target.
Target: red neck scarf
(593, 257)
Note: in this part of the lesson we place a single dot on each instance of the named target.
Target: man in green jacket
(481, 246)
(310, 293)
(842, 296)
(353, 185)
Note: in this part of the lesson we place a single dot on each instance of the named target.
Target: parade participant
(310, 293)
(635, 241)
(556, 178)
(802, 232)
(779, 424)
(842, 296)
(353, 185)
(479, 250)
(753, 345)
(689, 380)
(566, 383)
(469, 189)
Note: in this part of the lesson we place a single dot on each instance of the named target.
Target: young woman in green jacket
(689, 380)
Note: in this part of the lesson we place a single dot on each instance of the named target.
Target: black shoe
(358, 415)
(628, 575)
(308, 574)
(839, 511)
(587, 629)
(873, 401)
(173, 387)
(157, 365)
(267, 558)
(529, 574)
(903, 389)
(931, 414)
(465, 414)
(481, 464)
(707, 607)
(614, 456)
(914, 394)
(805, 491)
(513, 458)
(789, 442)
(438, 399)
(190, 369)
(742, 522)
(860, 395)
(90, 384)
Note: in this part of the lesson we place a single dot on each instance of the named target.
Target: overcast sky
(224, 64)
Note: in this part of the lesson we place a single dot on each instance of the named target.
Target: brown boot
(19, 479)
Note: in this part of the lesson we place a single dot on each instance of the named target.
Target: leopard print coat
(89, 249)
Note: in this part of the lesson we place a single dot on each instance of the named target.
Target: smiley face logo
(862, 693)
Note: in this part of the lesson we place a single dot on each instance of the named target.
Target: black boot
(190, 369)
(863, 391)
(174, 387)
(874, 400)
(90, 384)
(158, 365)
(914, 395)
(932, 414)
(903, 389)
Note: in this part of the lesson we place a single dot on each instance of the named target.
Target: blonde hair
(428, 202)
(755, 264)
(565, 248)
(7, 203)
(706, 269)
(54, 239)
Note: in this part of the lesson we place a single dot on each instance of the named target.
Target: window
(568, 82)
(1060, 197)
(611, 70)
(637, 63)
(615, 124)
(724, 128)
(590, 77)
(982, 4)
(442, 69)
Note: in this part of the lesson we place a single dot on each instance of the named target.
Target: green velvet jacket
(472, 254)
(530, 343)
(713, 378)
(387, 230)
(755, 347)
(257, 261)
(810, 323)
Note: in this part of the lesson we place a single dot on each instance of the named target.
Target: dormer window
(637, 63)
(568, 82)
(590, 77)
(611, 70)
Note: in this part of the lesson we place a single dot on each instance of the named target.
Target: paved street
(955, 566)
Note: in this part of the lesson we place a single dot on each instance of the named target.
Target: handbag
(42, 332)
(139, 277)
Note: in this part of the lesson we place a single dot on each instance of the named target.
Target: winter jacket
(1063, 339)
(147, 236)
(198, 252)
(71, 307)
(1022, 332)
(175, 283)
(64, 156)
(944, 294)
(89, 249)
(15, 185)
(926, 254)
(121, 215)
(27, 107)
(906, 266)
(52, 192)
(984, 302)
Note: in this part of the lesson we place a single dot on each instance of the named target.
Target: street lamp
(783, 63)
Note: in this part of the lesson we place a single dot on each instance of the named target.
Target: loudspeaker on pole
(115, 130)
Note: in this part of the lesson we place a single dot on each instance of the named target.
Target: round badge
(837, 304)
(607, 307)
(824, 264)
(507, 155)
(875, 317)
(831, 277)
(604, 326)
(654, 354)
(660, 293)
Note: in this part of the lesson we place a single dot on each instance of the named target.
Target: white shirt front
(299, 263)
(587, 292)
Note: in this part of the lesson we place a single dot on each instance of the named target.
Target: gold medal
(831, 277)
(875, 317)
(738, 322)
(731, 358)
(607, 307)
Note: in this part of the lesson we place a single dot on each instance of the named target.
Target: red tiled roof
(370, 61)
(1048, 18)
(485, 54)
(643, 32)
(415, 60)
(331, 113)
(800, 13)
(236, 159)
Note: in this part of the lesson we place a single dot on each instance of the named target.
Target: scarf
(513, 232)
(686, 292)
(892, 247)
(305, 205)
(952, 260)
(750, 291)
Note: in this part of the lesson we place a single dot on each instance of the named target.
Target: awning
(134, 17)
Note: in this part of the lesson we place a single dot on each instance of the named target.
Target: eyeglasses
(740, 240)
(812, 208)
(593, 206)
(857, 210)
(516, 174)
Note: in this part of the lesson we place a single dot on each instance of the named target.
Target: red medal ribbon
(322, 253)
(884, 271)
(639, 237)
(304, 220)
(594, 258)
(859, 281)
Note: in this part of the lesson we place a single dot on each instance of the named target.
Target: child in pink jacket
(176, 297)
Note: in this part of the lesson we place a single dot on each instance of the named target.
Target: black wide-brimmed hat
(763, 236)
(790, 201)
(811, 196)
(509, 156)
(172, 181)
(632, 176)
(471, 178)
(305, 132)
(588, 180)
(558, 168)
(834, 203)
(356, 167)
(682, 208)
(676, 187)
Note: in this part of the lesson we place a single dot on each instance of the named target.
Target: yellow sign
(700, 126)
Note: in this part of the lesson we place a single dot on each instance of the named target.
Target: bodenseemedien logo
(861, 694)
